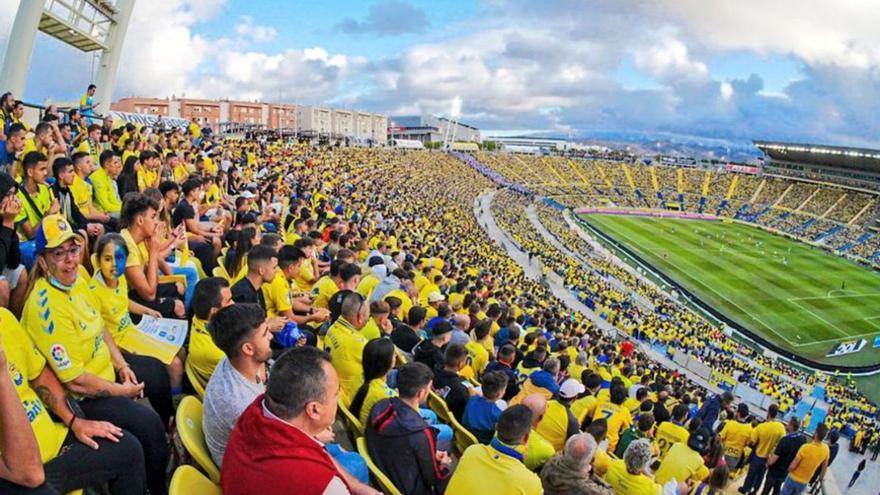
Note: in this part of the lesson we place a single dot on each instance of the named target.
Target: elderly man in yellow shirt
(538, 449)
(629, 476)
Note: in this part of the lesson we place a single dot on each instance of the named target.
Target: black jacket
(10, 256)
(429, 354)
(451, 387)
(403, 446)
(405, 338)
(71, 212)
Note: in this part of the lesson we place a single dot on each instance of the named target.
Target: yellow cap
(54, 231)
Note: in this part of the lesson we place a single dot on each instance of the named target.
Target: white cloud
(164, 58)
(668, 59)
(248, 31)
(840, 33)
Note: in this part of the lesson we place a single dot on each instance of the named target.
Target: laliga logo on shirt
(59, 355)
(17, 377)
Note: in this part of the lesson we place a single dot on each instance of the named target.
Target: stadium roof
(816, 154)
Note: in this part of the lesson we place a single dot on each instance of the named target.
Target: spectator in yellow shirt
(736, 434)
(672, 432)
(559, 424)
(538, 449)
(810, 458)
(210, 295)
(103, 181)
(345, 343)
(36, 448)
(685, 460)
(309, 270)
(498, 466)
(37, 199)
(82, 190)
(765, 436)
(629, 476)
(342, 276)
(613, 412)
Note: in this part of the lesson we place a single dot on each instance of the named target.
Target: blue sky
(798, 70)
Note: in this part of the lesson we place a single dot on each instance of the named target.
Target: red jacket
(267, 456)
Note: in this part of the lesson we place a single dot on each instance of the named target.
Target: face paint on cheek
(120, 256)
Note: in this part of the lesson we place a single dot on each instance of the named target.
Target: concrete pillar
(106, 77)
(174, 108)
(19, 47)
(224, 111)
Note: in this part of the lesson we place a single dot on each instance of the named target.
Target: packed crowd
(318, 281)
(839, 218)
(678, 327)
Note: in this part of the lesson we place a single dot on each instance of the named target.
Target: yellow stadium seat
(438, 405)
(220, 271)
(355, 428)
(189, 427)
(194, 378)
(187, 480)
(401, 357)
(382, 480)
(462, 437)
(172, 279)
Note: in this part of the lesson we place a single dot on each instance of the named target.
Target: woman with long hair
(378, 360)
(127, 180)
(179, 266)
(247, 238)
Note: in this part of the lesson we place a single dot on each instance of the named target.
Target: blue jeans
(192, 278)
(351, 461)
(792, 487)
(444, 433)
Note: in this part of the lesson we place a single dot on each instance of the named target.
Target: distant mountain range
(665, 143)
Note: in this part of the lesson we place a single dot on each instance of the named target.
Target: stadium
(241, 295)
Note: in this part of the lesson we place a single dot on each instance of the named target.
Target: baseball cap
(7, 183)
(440, 327)
(571, 388)
(435, 297)
(53, 232)
(699, 440)
(247, 194)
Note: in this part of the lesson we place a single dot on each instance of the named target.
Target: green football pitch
(801, 298)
